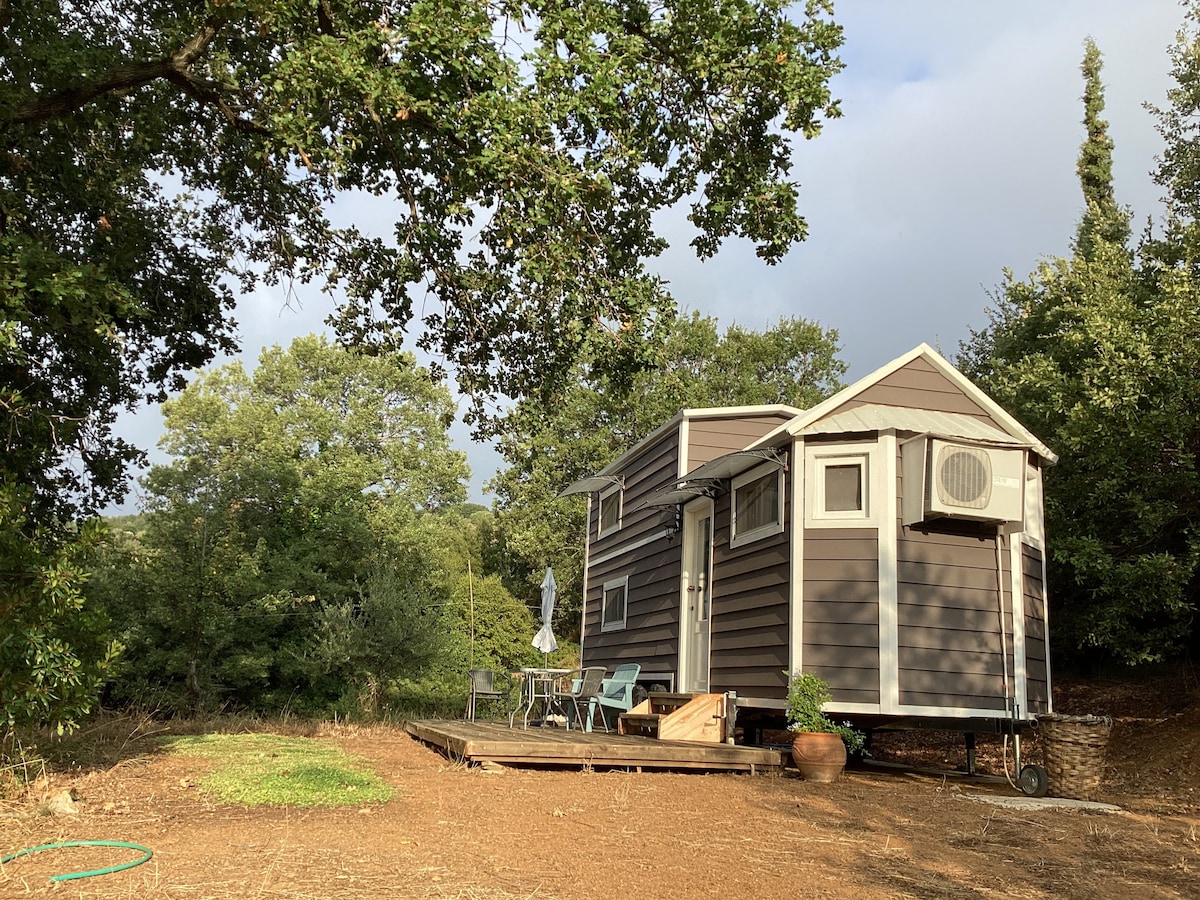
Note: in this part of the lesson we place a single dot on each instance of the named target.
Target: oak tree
(481, 177)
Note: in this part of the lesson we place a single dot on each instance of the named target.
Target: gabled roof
(715, 412)
(875, 417)
(1010, 431)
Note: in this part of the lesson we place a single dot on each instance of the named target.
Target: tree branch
(174, 68)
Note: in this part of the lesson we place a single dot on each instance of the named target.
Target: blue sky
(954, 159)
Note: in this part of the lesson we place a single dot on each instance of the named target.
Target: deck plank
(496, 742)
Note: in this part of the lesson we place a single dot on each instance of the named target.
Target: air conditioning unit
(948, 479)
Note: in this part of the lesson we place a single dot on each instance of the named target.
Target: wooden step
(667, 703)
(699, 717)
(642, 724)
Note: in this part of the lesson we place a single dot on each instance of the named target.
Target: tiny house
(891, 540)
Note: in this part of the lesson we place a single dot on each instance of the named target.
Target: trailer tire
(1033, 781)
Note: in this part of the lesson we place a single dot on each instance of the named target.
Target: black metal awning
(682, 493)
(736, 463)
(592, 483)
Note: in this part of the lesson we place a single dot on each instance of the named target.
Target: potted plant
(819, 745)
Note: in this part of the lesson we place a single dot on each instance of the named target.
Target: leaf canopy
(481, 177)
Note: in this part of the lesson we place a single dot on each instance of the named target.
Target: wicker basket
(1073, 748)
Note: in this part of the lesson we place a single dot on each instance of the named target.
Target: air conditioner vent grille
(964, 477)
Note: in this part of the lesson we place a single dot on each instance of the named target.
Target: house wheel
(1033, 781)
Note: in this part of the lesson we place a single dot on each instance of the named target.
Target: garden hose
(70, 876)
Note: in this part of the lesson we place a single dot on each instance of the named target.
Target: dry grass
(457, 832)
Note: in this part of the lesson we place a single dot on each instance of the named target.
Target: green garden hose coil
(70, 876)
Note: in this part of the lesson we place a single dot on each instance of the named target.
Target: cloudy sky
(954, 159)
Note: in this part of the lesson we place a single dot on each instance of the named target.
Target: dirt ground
(454, 831)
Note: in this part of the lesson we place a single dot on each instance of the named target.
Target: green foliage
(489, 627)
(272, 770)
(52, 659)
(287, 557)
(1099, 354)
(514, 155)
(1179, 166)
(580, 430)
(806, 698)
(1102, 220)
(392, 628)
(510, 159)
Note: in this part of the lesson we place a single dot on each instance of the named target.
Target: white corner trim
(889, 588)
(796, 597)
(682, 457)
(1016, 565)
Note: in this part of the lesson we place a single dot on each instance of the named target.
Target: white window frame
(623, 584)
(818, 458)
(605, 494)
(739, 538)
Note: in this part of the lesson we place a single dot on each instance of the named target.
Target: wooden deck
(496, 742)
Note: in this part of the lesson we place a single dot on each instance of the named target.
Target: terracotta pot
(819, 755)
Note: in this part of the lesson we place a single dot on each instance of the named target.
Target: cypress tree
(1103, 219)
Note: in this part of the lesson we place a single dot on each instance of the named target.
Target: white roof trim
(766, 409)
(1011, 426)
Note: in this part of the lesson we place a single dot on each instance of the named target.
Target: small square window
(614, 600)
(610, 511)
(844, 487)
(839, 486)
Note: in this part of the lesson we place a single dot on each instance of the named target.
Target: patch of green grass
(269, 769)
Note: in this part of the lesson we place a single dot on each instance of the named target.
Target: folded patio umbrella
(544, 639)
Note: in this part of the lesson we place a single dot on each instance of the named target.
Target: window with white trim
(756, 505)
(614, 602)
(610, 511)
(841, 485)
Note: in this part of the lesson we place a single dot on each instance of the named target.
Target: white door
(697, 596)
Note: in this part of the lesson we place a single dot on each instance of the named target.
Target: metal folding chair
(487, 684)
(579, 687)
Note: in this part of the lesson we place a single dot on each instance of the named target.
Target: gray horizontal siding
(646, 473)
(709, 438)
(651, 633)
(750, 609)
(841, 611)
(984, 695)
(918, 385)
(948, 620)
(1037, 666)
